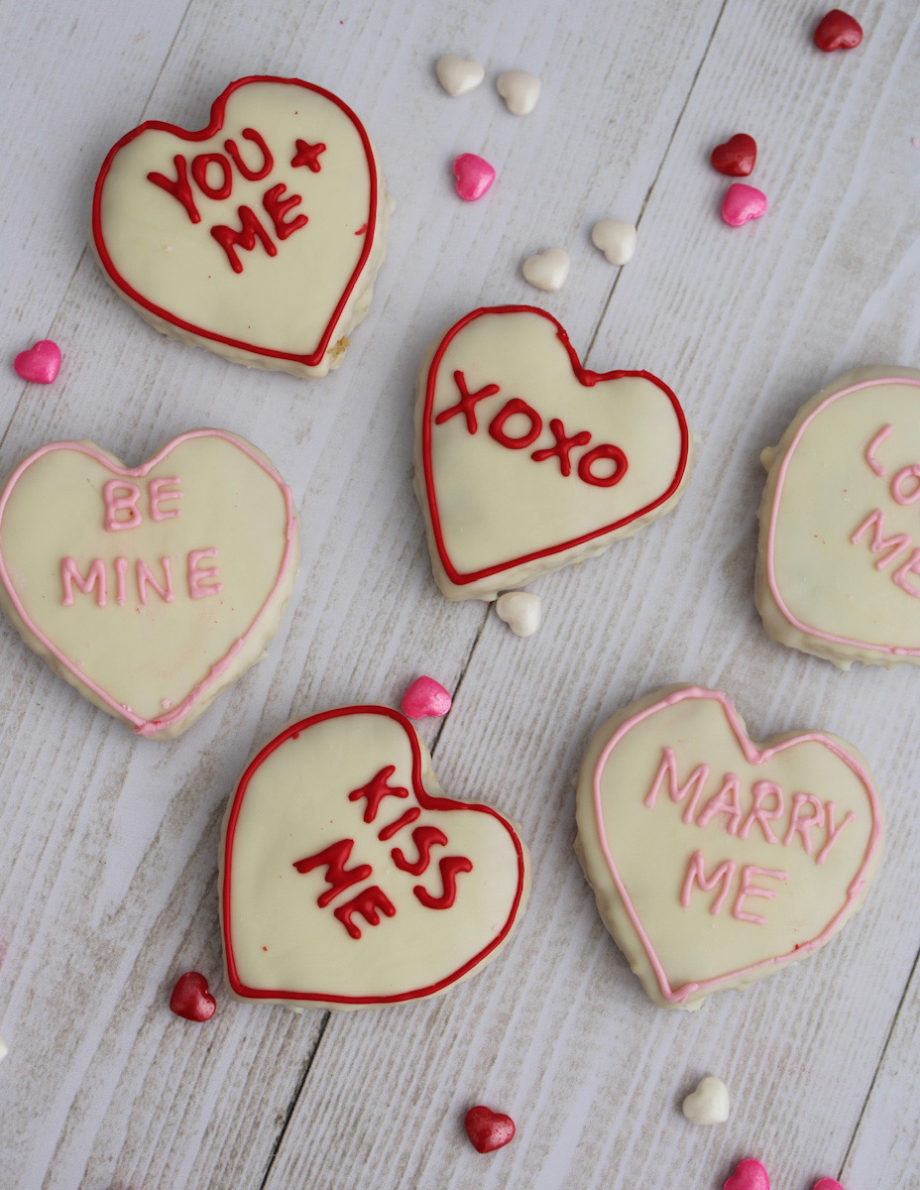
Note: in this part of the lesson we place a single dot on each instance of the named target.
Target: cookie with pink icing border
(258, 236)
(148, 588)
(348, 879)
(716, 860)
(525, 461)
(838, 564)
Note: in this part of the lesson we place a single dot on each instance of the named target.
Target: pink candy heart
(749, 1175)
(827, 1184)
(41, 363)
(742, 203)
(426, 697)
(473, 176)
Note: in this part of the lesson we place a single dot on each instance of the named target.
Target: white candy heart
(519, 90)
(458, 75)
(3, 1050)
(615, 238)
(522, 611)
(709, 1103)
(547, 270)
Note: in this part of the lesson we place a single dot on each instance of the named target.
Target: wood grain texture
(108, 843)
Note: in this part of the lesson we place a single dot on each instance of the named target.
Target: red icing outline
(214, 126)
(587, 379)
(425, 800)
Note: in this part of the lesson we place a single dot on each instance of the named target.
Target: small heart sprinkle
(827, 1184)
(519, 90)
(191, 999)
(837, 30)
(616, 239)
(736, 156)
(522, 611)
(473, 176)
(459, 75)
(709, 1103)
(742, 203)
(424, 698)
(41, 363)
(488, 1130)
(547, 270)
(749, 1175)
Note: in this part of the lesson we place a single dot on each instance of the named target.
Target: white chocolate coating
(301, 287)
(496, 516)
(838, 564)
(282, 945)
(209, 503)
(703, 888)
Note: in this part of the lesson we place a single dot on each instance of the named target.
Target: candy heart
(616, 239)
(519, 90)
(827, 1184)
(742, 203)
(259, 236)
(426, 697)
(473, 176)
(149, 588)
(349, 879)
(488, 1130)
(709, 1103)
(837, 30)
(3, 1049)
(716, 861)
(458, 75)
(41, 363)
(736, 157)
(526, 461)
(191, 999)
(522, 611)
(547, 270)
(749, 1175)
(838, 568)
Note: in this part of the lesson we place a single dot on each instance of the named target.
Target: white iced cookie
(525, 461)
(838, 563)
(258, 237)
(714, 860)
(519, 89)
(458, 75)
(348, 879)
(616, 239)
(148, 588)
(547, 270)
(709, 1104)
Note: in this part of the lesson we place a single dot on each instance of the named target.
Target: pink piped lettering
(894, 545)
(120, 496)
(145, 579)
(747, 888)
(905, 487)
(677, 792)
(696, 874)
(93, 580)
(726, 802)
(164, 490)
(803, 824)
(121, 575)
(900, 576)
(833, 831)
(869, 455)
(760, 814)
(202, 580)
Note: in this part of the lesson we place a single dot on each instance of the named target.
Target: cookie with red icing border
(348, 879)
(148, 588)
(838, 564)
(525, 461)
(258, 236)
(715, 860)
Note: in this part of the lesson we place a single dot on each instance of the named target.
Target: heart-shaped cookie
(349, 879)
(716, 861)
(838, 565)
(148, 588)
(526, 461)
(258, 236)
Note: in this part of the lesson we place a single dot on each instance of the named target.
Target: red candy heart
(191, 999)
(736, 157)
(837, 30)
(749, 1175)
(489, 1130)
(41, 363)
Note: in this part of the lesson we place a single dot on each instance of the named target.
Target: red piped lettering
(337, 876)
(424, 838)
(276, 207)
(509, 409)
(252, 175)
(467, 403)
(308, 155)
(392, 828)
(605, 451)
(367, 903)
(249, 231)
(450, 867)
(564, 444)
(200, 166)
(178, 187)
(376, 790)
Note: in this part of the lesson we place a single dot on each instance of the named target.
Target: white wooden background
(108, 843)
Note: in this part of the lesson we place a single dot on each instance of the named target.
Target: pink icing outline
(894, 650)
(149, 727)
(756, 756)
